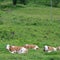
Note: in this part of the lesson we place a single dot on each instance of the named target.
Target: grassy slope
(31, 25)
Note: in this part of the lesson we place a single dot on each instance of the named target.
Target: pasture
(21, 24)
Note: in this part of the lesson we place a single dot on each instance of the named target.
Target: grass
(22, 24)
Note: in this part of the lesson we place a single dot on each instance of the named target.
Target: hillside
(21, 24)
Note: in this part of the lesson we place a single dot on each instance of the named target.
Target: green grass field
(33, 25)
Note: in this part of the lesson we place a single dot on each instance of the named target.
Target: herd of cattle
(26, 47)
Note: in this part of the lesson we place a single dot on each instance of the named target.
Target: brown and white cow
(16, 49)
(49, 48)
(31, 46)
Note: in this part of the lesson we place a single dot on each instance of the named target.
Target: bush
(55, 2)
(45, 2)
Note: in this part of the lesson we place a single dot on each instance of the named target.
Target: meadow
(20, 25)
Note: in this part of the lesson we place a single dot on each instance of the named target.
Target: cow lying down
(16, 49)
(31, 46)
(49, 48)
